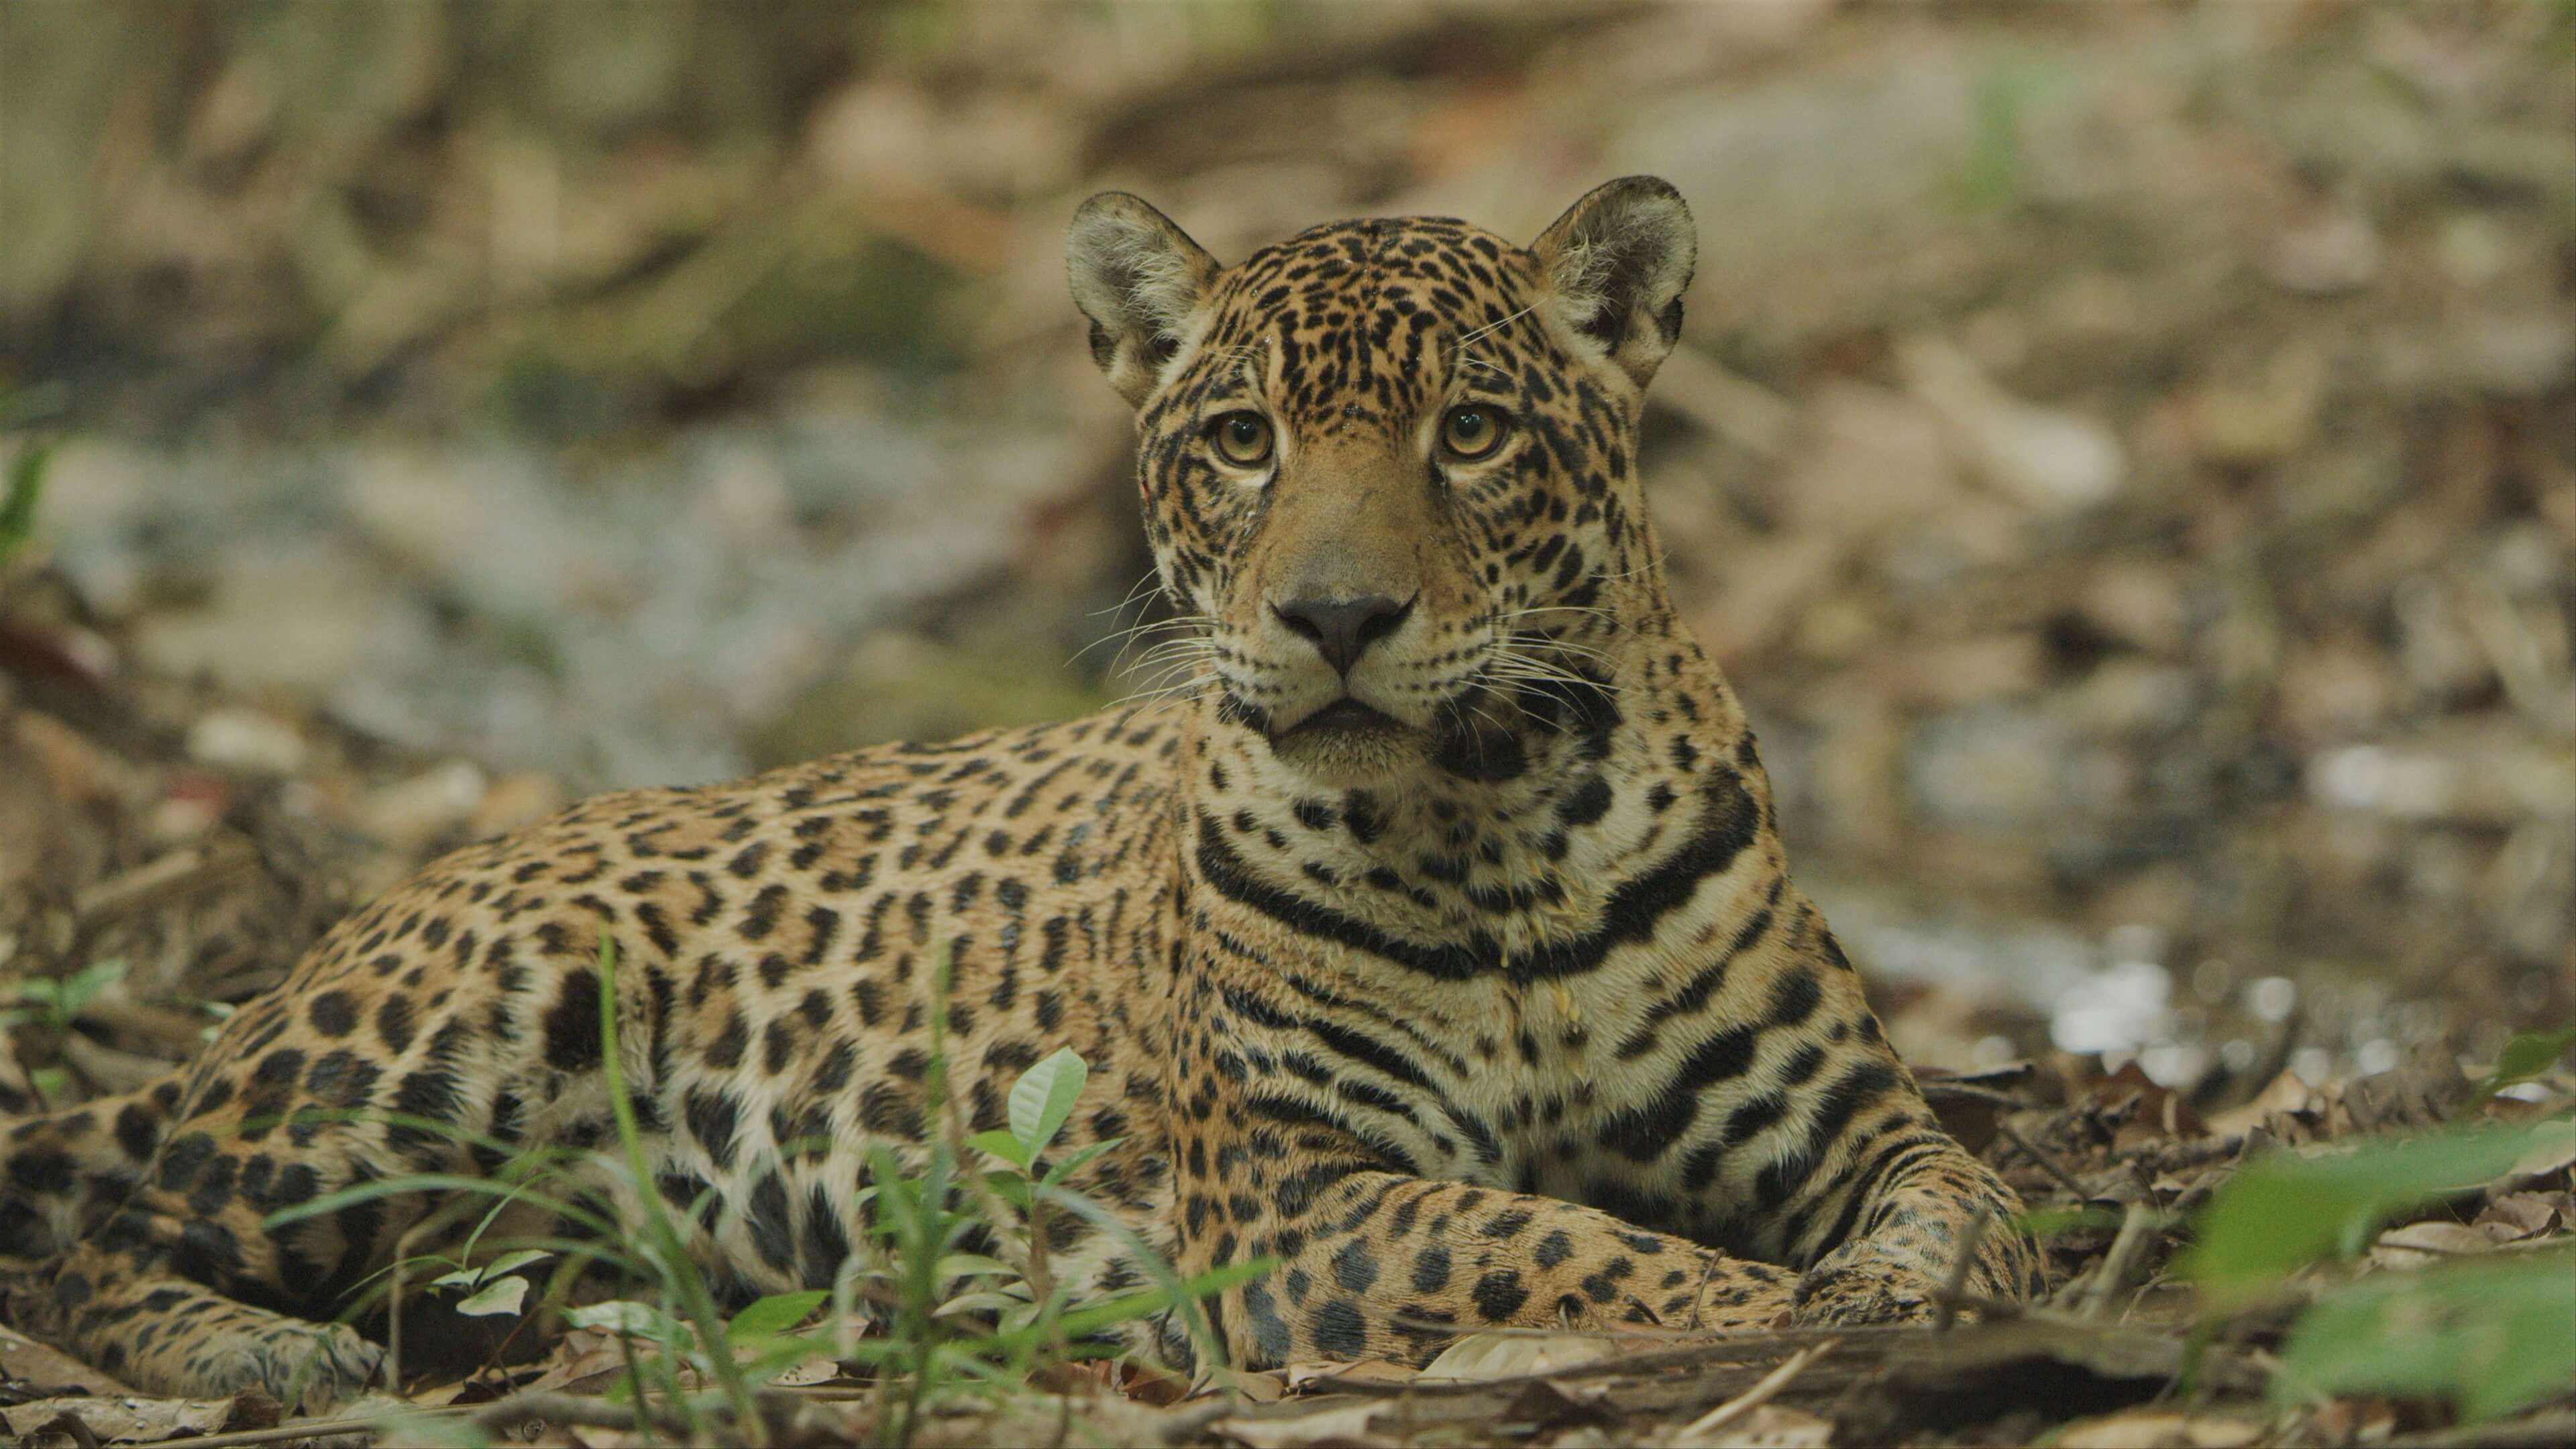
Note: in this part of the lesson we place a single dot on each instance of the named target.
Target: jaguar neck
(1523, 835)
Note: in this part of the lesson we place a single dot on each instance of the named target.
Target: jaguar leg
(1374, 1263)
(125, 1311)
(1913, 1219)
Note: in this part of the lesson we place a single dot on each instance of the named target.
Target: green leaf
(992, 1302)
(2489, 1336)
(1010, 1187)
(1077, 1160)
(1002, 1145)
(2527, 1056)
(18, 505)
(2285, 1212)
(774, 1314)
(515, 1259)
(1043, 1097)
(84, 985)
(508, 1262)
(501, 1295)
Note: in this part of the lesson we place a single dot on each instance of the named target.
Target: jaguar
(1430, 938)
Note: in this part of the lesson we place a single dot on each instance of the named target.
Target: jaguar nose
(1343, 629)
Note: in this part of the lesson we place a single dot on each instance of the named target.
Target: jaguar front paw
(1862, 1283)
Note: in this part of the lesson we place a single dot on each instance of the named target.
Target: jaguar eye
(1242, 439)
(1473, 431)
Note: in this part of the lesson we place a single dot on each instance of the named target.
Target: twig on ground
(2137, 1230)
(1762, 1392)
(2046, 1163)
(1939, 1088)
(294, 1429)
(578, 1411)
(1962, 1263)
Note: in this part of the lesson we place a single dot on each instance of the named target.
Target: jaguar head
(1388, 466)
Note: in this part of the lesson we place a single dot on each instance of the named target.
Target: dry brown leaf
(1543, 1404)
(2286, 1093)
(1261, 1386)
(130, 1420)
(821, 1369)
(23, 1360)
(2519, 1215)
(584, 1361)
(2147, 1111)
(2417, 1244)
(2356, 1421)
(2157, 1429)
(1515, 1355)
(1150, 1386)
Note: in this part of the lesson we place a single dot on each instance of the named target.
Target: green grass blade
(18, 504)
(1082, 1322)
(433, 1182)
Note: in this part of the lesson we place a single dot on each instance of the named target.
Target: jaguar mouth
(1346, 716)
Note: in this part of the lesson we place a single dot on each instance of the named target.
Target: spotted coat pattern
(1462, 976)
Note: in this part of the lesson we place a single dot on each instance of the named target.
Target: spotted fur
(1434, 940)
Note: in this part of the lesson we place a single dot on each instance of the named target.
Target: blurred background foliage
(2123, 452)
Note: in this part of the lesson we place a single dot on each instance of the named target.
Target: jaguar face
(1388, 466)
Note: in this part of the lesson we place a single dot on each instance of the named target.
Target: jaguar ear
(1138, 278)
(1619, 261)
